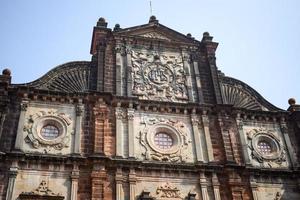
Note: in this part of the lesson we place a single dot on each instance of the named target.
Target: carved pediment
(42, 192)
(156, 31)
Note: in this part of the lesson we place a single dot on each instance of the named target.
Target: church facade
(149, 117)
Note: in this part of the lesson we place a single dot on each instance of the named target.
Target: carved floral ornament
(59, 121)
(177, 132)
(266, 147)
(158, 77)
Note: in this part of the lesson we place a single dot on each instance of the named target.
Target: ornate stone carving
(168, 191)
(158, 77)
(35, 123)
(154, 35)
(120, 113)
(277, 155)
(178, 132)
(42, 191)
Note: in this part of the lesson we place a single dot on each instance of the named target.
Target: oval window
(50, 132)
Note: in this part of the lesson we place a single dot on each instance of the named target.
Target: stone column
(227, 141)
(243, 141)
(13, 172)
(197, 138)
(216, 186)
(74, 182)
(132, 184)
(205, 121)
(77, 139)
(288, 143)
(130, 116)
(98, 179)
(119, 181)
(203, 185)
(119, 131)
(129, 71)
(186, 66)
(20, 132)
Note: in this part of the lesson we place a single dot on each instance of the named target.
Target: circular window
(163, 140)
(49, 132)
(264, 147)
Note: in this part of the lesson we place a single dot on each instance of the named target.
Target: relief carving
(177, 131)
(168, 191)
(37, 121)
(158, 77)
(154, 35)
(42, 191)
(266, 148)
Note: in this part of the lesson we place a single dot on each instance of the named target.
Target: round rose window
(163, 140)
(49, 132)
(264, 147)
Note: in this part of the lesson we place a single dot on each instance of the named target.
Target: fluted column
(216, 186)
(132, 184)
(20, 132)
(198, 81)
(13, 172)
(74, 182)
(119, 182)
(203, 185)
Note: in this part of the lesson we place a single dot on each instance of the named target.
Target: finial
(292, 101)
(153, 19)
(207, 37)
(117, 27)
(101, 22)
(189, 35)
(6, 72)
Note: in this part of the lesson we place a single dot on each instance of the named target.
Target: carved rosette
(277, 155)
(158, 77)
(177, 130)
(37, 121)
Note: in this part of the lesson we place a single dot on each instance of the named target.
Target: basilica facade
(150, 117)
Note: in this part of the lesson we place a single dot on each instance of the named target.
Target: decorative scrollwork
(175, 129)
(158, 77)
(277, 153)
(37, 121)
(168, 191)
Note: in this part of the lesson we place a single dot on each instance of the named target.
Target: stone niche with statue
(47, 129)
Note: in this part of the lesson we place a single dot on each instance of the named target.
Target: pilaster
(205, 122)
(130, 117)
(198, 82)
(216, 186)
(20, 132)
(129, 71)
(120, 115)
(203, 186)
(12, 174)
(132, 184)
(77, 139)
(119, 185)
(74, 183)
(197, 138)
(186, 65)
(243, 141)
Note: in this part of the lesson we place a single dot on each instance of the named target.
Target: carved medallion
(48, 130)
(266, 148)
(174, 143)
(158, 77)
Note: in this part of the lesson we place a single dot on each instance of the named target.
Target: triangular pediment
(156, 31)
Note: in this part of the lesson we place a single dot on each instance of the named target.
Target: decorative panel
(158, 76)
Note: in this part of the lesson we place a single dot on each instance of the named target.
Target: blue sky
(259, 41)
